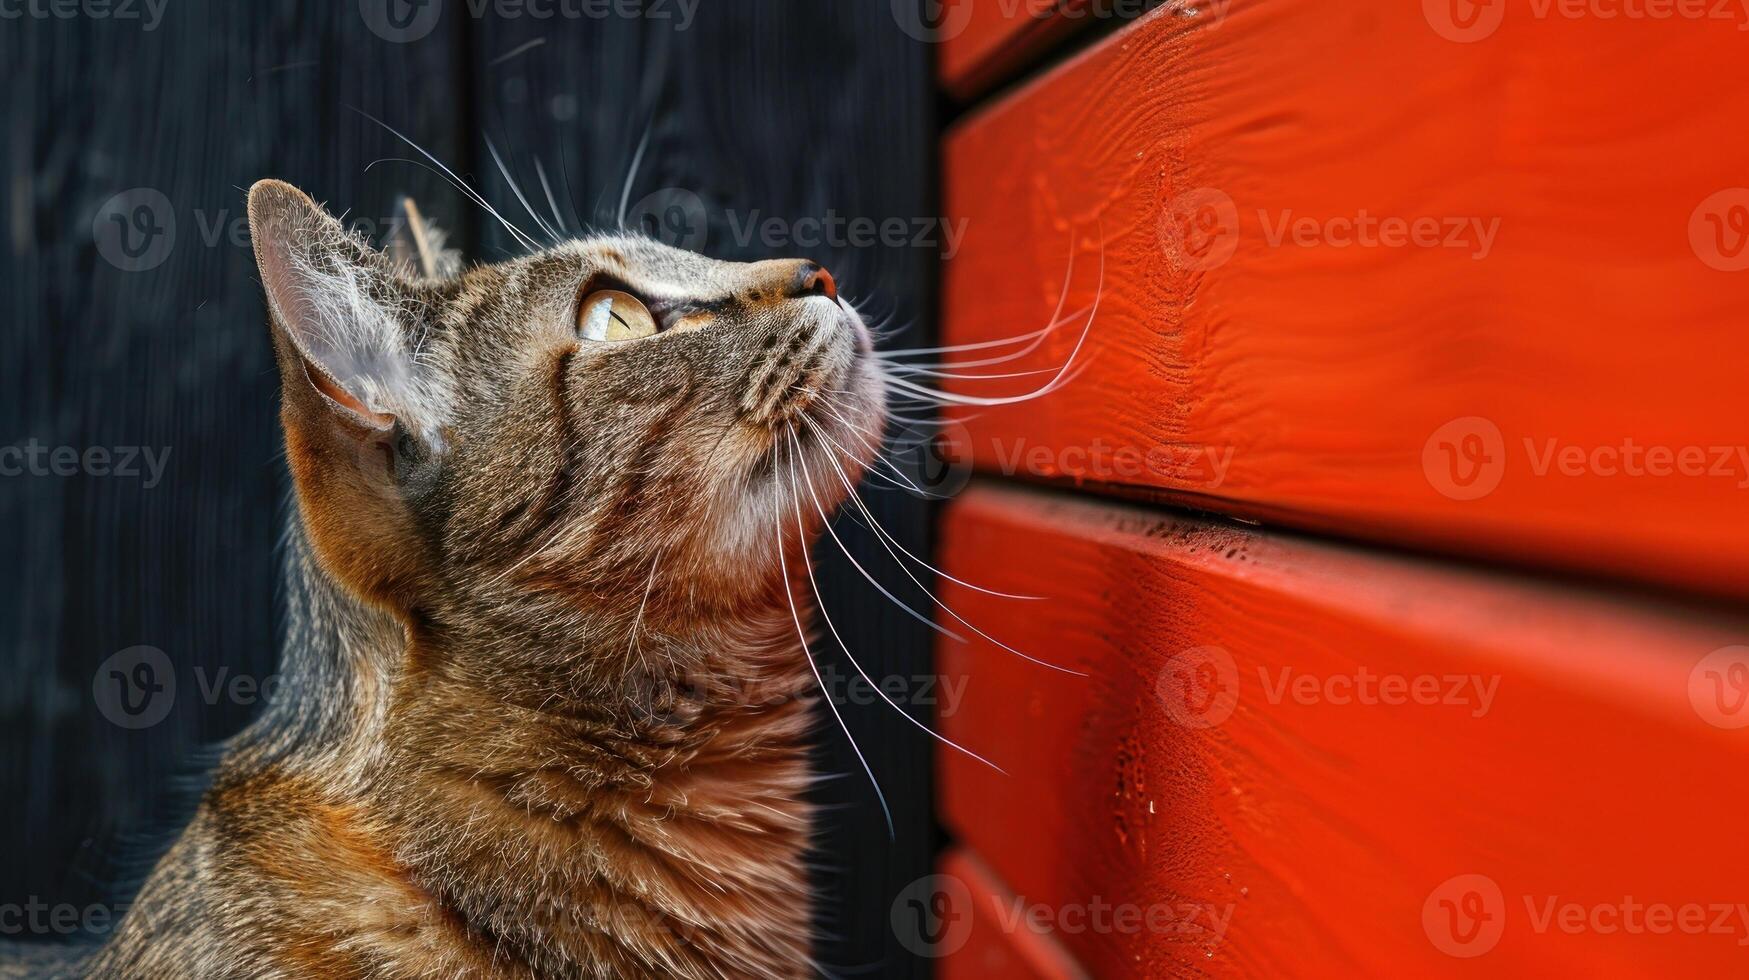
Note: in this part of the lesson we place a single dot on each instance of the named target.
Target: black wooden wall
(150, 333)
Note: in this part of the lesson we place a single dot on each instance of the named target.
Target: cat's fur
(543, 706)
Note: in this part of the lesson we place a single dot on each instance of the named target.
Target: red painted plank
(1310, 760)
(982, 929)
(983, 41)
(1538, 356)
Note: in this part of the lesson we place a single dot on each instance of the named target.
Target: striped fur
(545, 709)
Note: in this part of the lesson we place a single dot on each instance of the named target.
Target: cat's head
(597, 431)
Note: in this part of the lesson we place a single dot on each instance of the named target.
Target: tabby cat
(542, 710)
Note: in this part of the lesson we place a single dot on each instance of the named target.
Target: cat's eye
(610, 314)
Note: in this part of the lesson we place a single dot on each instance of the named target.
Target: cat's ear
(417, 245)
(355, 401)
(340, 306)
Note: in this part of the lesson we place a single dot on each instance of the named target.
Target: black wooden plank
(195, 107)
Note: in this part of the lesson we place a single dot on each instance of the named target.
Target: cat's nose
(812, 279)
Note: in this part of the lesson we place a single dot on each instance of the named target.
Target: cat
(544, 707)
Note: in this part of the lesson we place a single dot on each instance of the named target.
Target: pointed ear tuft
(417, 245)
(340, 304)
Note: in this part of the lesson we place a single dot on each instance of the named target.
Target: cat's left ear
(356, 404)
(346, 310)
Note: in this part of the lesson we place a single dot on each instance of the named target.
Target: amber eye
(610, 314)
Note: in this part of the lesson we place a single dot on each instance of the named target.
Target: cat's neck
(655, 828)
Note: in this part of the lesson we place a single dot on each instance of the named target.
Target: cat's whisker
(951, 398)
(637, 620)
(1037, 336)
(925, 620)
(888, 442)
(625, 194)
(932, 598)
(895, 416)
(1032, 339)
(886, 537)
(871, 448)
(909, 439)
(468, 192)
(460, 184)
(546, 188)
(539, 222)
(808, 655)
(913, 369)
(827, 616)
(877, 457)
(570, 195)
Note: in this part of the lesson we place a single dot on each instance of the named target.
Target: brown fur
(544, 710)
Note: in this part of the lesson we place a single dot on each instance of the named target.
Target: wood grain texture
(1560, 385)
(988, 943)
(1321, 824)
(175, 358)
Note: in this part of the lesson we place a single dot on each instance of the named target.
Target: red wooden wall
(1447, 303)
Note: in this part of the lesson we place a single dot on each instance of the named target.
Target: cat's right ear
(418, 245)
(339, 309)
